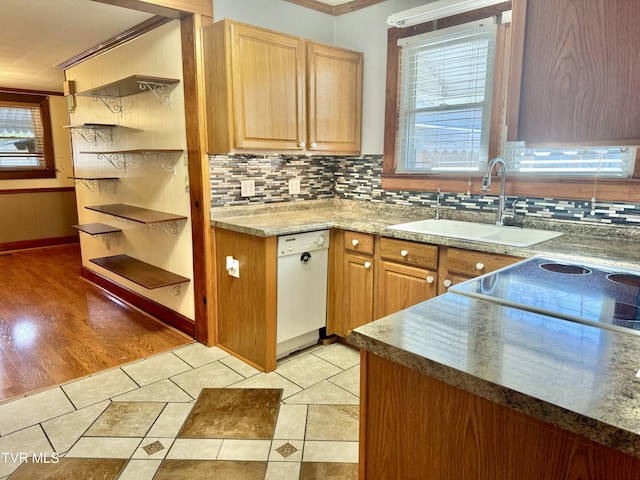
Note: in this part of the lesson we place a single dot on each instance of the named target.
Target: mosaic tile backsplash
(360, 178)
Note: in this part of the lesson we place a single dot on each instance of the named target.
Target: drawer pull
(404, 253)
(429, 279)
(302, 144)
(447, 283)
(480, 266)
(313, 145)
(367, 264)
(355, 242)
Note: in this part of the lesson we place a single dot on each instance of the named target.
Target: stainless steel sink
(481, 232)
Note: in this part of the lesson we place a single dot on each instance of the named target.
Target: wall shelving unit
(135, 270)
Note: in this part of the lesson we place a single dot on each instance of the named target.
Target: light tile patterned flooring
(131, 417)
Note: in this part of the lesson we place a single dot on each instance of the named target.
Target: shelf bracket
(107, 238)
(170, 228)
(113, 104)
(157, 89)
(175, 290)
(114, 159)
(163, 159)
(92, 135)
(99, 184)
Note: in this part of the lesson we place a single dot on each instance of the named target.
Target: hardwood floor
(56, 326)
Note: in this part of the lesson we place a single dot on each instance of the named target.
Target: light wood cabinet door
(401, 286)
(571, 78)
(357, 305)
(334, 99)
(268, 89)
(255, 85)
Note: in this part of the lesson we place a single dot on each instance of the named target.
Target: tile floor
(165, 417)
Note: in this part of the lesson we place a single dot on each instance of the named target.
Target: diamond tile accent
(286, 450)
(153, 447)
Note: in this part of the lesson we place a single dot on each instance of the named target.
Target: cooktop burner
(598, 295)
(566, 269)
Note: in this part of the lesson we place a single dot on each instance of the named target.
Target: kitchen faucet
(486, 185)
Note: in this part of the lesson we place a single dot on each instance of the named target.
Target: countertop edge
(579, 424)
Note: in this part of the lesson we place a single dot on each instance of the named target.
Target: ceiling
(38, 35)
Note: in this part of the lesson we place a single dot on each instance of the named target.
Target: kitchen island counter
(570, 377)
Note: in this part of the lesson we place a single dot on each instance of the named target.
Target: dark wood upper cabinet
(575, 74)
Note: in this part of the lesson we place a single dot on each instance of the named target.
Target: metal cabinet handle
(302, 144)
(479, 266)
(429, 279)
(313, 145)
(367, 264)
(447, 283)
(404, 253)
(355, 242)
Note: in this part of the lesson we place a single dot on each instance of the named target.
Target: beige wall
(147, 124)
(30, 216)
(25, 217)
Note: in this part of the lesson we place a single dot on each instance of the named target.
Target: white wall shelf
(111, 93)
(98, 184)
(92, 132)
(118, 158)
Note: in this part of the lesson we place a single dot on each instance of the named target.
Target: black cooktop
(598, 295)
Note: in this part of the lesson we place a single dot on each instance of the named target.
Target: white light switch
(247, 188)
(294, 186)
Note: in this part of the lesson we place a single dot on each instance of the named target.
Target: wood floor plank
(56, 326)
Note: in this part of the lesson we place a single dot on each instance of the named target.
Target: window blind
(568, 161)
(21, 136)
(446, 82)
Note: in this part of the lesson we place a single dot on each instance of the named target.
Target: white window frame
(451, 151)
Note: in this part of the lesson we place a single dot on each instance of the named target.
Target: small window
(612, 162)
(446, 84)
(26, 149)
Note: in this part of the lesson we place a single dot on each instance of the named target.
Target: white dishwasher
(303, 259)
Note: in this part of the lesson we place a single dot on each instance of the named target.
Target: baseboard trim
(38, 243)
(162, 313)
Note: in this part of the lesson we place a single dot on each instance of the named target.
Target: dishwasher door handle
(305, 257)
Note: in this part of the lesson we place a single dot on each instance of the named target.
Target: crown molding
(335, 10)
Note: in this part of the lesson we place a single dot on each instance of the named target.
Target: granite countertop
(581, 242)
(578, 377)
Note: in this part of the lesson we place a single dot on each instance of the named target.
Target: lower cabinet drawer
(362, 243)
(409, 253)
(473, 263)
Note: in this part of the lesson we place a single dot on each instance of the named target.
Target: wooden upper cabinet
(269, 91)
(268, 82)
(573, 76)
(255, 81)
(334, 98)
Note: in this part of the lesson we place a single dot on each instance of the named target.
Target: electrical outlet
(247, 188)
(294, 186)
